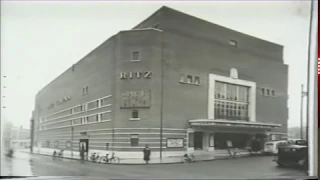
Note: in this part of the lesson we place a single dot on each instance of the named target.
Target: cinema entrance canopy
(205, 123)
(210, 135)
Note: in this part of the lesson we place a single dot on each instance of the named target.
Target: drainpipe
(162, 91)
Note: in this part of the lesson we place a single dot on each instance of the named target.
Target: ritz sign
(136, 75)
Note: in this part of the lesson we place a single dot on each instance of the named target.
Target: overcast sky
(40, 40)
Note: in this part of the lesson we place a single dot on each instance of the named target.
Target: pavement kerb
(217, 158)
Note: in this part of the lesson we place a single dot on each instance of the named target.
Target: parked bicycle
(95, 157)
(188, 158)
(112, 159)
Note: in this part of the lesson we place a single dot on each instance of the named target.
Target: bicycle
(112, 159)
(188, 158)
(95, 158)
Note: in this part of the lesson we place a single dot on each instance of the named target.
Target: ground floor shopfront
(203, 137)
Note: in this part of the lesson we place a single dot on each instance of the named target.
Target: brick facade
(170, 43)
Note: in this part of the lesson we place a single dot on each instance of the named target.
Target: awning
(228, 123)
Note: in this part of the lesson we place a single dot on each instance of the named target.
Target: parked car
(271, 147)
(293, 155)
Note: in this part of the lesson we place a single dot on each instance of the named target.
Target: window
(97, 117)
(134, 140)
(268, 92)
(135, 114)
(93, 105)
(263, 91)
(191, 140)
(135, 56)
(104, 116)
(85, 90)
(231, 101)
(233, 43)
(189, 79)
(182, 76)
(273, 93)
(211, 140)
(197, 80)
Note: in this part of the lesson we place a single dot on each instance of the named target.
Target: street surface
(249, 167)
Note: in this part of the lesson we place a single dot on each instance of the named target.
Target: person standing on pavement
(54, 155)
(82, 154)
(146, 154)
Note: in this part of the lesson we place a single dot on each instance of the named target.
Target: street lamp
(303, 94)
(72, 128)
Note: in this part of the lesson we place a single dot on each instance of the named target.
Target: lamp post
(303, 94)
(72, 129)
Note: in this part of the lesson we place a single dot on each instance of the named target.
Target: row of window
(189, 79)
(83, 120)
(231, 101)
(268, 92)
(78, 109)
(134, 142)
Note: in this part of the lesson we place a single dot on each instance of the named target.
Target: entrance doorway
(198, 139)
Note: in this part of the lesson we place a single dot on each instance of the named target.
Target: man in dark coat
(146, 154)
(82, 151)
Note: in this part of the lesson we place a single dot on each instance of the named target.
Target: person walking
(54, 155)
(146, 154)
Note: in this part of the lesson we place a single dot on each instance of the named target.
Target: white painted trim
(232, 122)
(142, 29)
(134, 119)
(138, 60)
(93, 114)
(76, 125)
(75, 106)
(110, 129)
(252, 100)
(123, 133)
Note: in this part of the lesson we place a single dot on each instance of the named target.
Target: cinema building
(175, 82)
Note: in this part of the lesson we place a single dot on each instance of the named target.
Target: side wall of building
(96, 71)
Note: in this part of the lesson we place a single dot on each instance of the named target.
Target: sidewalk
(165, 160)
(18, 165)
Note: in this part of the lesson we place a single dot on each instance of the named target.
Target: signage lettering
(135, 75)
(62, 100)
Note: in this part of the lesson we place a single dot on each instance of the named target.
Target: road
(250, 167)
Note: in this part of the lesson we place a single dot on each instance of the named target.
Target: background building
(175, 82)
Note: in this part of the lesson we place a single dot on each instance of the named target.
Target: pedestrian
(54, 155)
(82, 154)
(146, 154)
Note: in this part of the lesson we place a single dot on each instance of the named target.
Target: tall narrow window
(197, 80)
(268, 92)
(189, 79)
(85, 90)
(135, 56)
(134, 140)
(191, 140)
(273, 93)
(97, 117)
(263, 91)
(182, 77)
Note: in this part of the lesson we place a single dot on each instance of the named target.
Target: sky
(40, 40)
